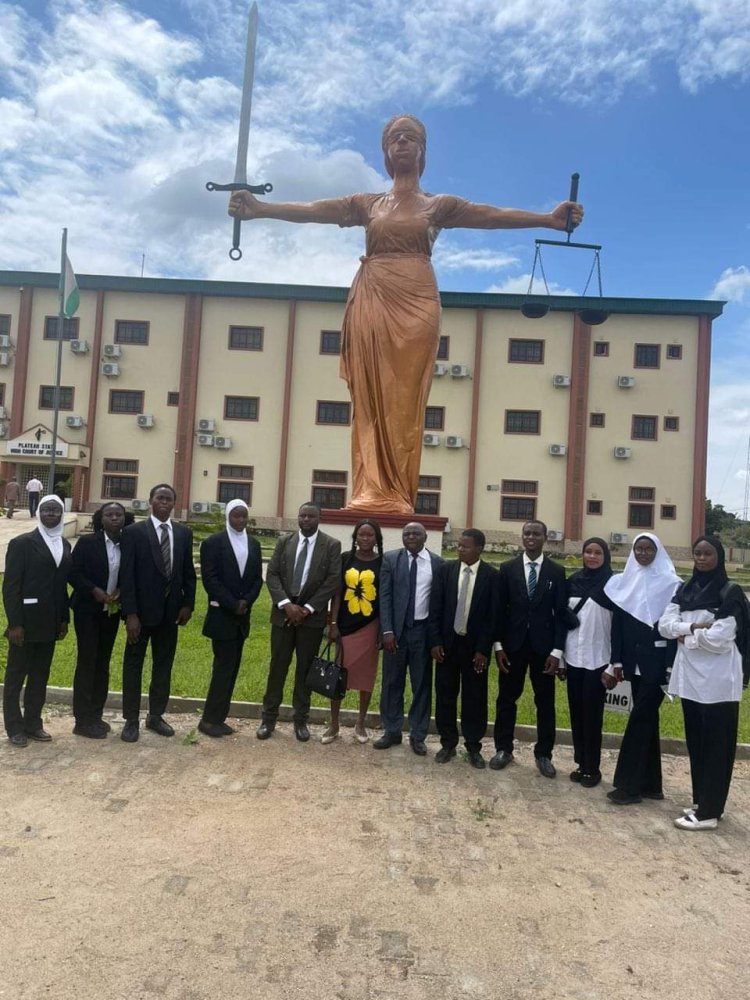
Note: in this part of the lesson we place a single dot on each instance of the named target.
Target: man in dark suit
(531, 609)
(302, 577)
(157, 593)
(461, 630)
(406, 579)
(232, 574)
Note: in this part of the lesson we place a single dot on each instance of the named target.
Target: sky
(114, 115)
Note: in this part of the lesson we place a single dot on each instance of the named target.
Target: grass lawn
(192, 670)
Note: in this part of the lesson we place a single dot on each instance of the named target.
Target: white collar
(538, 561)
(157, 523)
(310, 538)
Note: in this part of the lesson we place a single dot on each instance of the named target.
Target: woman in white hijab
(640, 594)
(231, 571)
(35, 596)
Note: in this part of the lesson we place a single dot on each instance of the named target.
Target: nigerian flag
(71, 297)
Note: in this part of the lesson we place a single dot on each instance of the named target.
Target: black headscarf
(589, 583)
(703, 590)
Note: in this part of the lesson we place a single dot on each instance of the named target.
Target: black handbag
(326, 676)
(572, 620)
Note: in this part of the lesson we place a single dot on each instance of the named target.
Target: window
(644, 428)
(668, 512)
(522, 421)
(126, 401)
(173, 399)
(235, 483)
(330, 412)
(70, 328)
(128, 331)
(5, 326)
(596, 419)
(674, 352)
(601, 348)
(236, 472)
(330, 342)
(671, 423)
(444, 348)
(324, 492)
(116, 485)
(429, 482)
(640, 515)
(434, 418)
(428, 495)
(241, 407)
(47, 397)
(121, 465)
(245, 338)
(520, 486)
(529, 352)
(2, 393)
(594, 507)
(646, 356)
(642, 493)
(518, 508)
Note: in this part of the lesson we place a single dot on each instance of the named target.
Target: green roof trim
(329, 293)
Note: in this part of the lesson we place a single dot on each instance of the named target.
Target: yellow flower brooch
(360, 591)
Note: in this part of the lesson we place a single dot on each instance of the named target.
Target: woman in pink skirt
(355, 622)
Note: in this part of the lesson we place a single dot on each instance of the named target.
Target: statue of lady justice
(391, 326)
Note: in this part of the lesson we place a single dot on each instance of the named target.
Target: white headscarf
(53, 537)
(237, 539)
(644, 591)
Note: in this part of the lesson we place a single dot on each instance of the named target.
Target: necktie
(532, 579)
(165, 553)
(299, 568)
(459, 621)
(411, 604)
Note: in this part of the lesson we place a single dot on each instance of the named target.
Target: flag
(71, 298)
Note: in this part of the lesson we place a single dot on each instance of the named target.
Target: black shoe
(210, 729)
(622, 798)
(265, 730)
(501, 760)
(301, 732)
(91, 730)
(546, 767)
(476, 759)
(418, 747)
(657, 796)
(388, 740)
(444, 754)
(39, 735)
(227, 730)
(18, 740)
(130, 731)
(157, 725)
(591, 780)
(576, 775)
(104, 725)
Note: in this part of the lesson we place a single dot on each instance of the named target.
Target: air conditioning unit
(75, 422)
(198, 507)
(618, 538)
(440, 369)
(222, 442)
(139, 504)
(558, 449)
(3, 430)
(79, 346)
(4, 359)
(555, 535)
(621, 452)
(460, 371)
(454, 441)
(111, 351)
(493, 487)
(4, 341)
(206, 425)
(111, 369)
(145, 420)
(625, 381)
(3, 413)
(206, 440)
(430, 440)
(217, 508)
(560, 382)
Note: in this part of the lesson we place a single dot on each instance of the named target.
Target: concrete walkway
(20, 523)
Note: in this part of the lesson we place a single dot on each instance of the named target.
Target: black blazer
(542, 619)
(145, 590)
(321, 584)
(90, 569)
(226, 588)
(443, 601)
(35, 591)
(637, 645)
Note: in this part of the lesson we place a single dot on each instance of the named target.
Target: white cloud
(734, 284)
(519, 284)
(448, 257)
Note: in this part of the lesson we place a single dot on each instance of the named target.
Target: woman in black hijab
(587, 653)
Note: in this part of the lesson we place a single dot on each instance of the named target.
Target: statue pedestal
(340, 524)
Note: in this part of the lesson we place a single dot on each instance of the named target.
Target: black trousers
(586, 696)
(511, 689)
(456, 673)
(33, 503)
(226, 666)
(30, 663)
(286, 641)
(711, 737)
(163, 639)
(638, 768)
(95, 635)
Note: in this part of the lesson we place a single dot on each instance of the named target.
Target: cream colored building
(232, 389)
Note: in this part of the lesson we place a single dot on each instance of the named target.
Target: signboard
(25, 448)
(620, 698)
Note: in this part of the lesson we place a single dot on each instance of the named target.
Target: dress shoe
(418, 747)
(211, 729)
(227, 730)
(444, 754)
(18, 740)
(157, 725)
(691, 822)
(501, 760)
(591, 780)
(330, 735)
(104, 725)
(301, 732)
(265, 730)
(387, 740)
(39, 735)
(576, 775)
(656, 796)
(546, 767)
(91, 730)
(130, 731)
(622, 798)
(477, 760)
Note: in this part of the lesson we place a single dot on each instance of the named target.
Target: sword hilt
(235, 253)
(573, 196)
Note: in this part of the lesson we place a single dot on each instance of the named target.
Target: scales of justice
(391, 325)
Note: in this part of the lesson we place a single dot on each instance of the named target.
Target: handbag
(572, 620)
(327, 676)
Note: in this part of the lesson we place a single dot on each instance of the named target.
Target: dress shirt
(157, 528)
(424, 584)
(708, 666)
(588, 647)
(311, 540)
(113, 560)
(557, 653)
(473, 569)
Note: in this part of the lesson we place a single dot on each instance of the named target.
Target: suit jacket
(444, 600)
(541, 619)
(226, 588)
(637, 645)
(35, 591)
(145, 589)
(90, 569)
(322, 579)
(394, 589)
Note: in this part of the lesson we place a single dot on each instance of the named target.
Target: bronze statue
(391, 325)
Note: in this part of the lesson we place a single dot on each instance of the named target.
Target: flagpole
(58, 374)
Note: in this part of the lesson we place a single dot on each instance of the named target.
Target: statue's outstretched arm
(243, 205)
(475, 216)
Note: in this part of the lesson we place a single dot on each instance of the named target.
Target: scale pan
(593, 317)
(534, 310)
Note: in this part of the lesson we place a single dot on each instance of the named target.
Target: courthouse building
(231, 389)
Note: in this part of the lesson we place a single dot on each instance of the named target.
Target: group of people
(34, 489)
(426, 614)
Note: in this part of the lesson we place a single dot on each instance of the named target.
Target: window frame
(538, 414)
(590, 504)
(71, 325)
(236, 399)
(654, 423)
(676, 422)
(127, 392)
(444, 347)
(237, 328)
(321, 347)
(677, 355)
(523, 515)
(319, 403)
(650, 347)
(134, 322)
(604, 353)
(517, 342)
(645, 508)
(597, 420)
(435, 414)
(63, 389)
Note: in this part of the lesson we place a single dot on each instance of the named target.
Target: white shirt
(34, 486)
(589, 646)
(424, 583)
(708, 665)
(473, 570)
(311, 540)
(157, 528)
(113, 560)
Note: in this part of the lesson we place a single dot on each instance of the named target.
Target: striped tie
(532, 579)
(165, 553)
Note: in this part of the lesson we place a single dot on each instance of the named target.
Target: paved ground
(241, 869)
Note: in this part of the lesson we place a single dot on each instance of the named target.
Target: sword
(240, 169)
